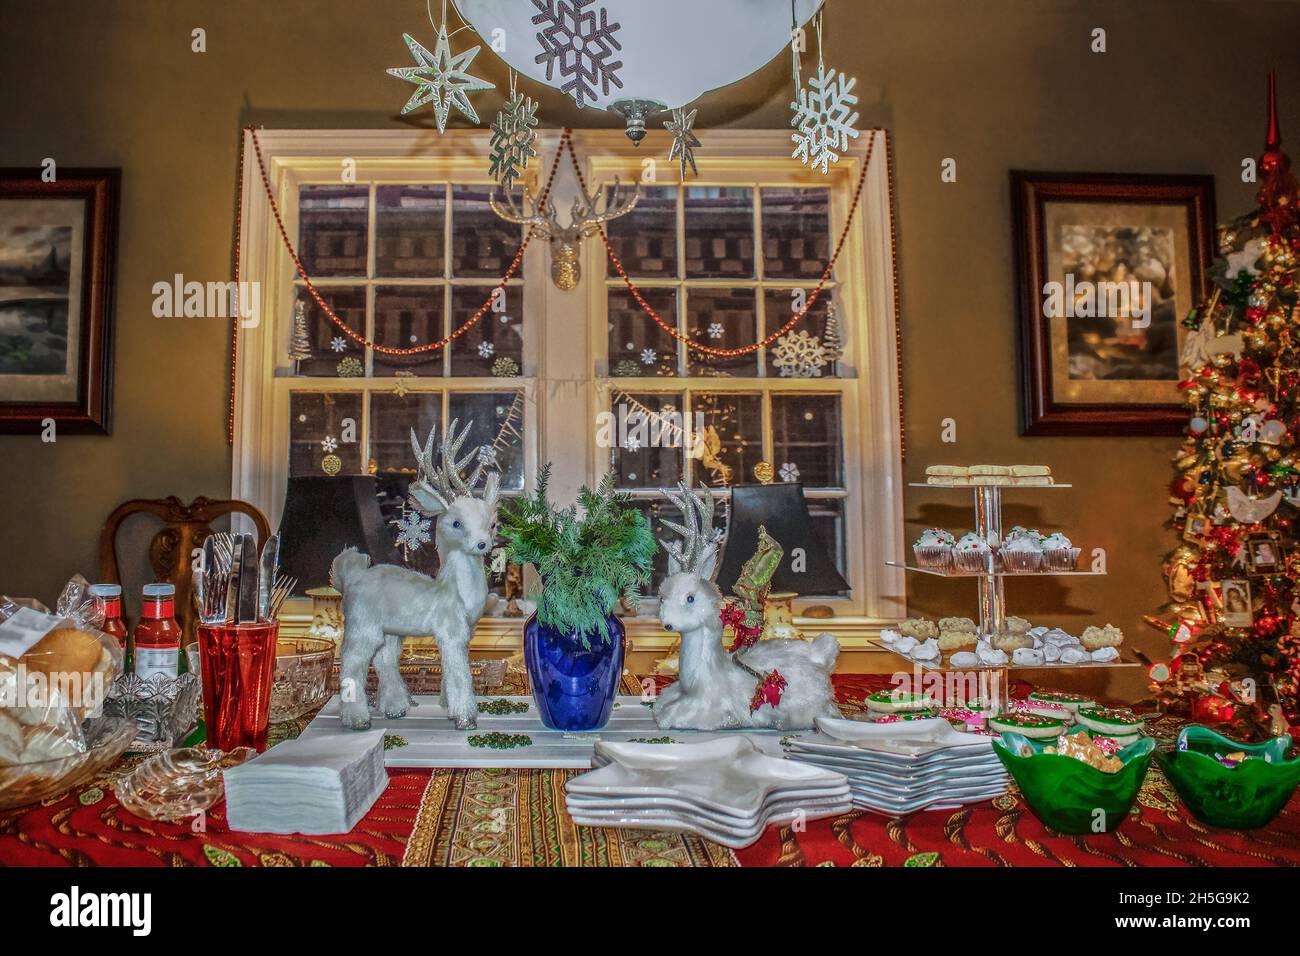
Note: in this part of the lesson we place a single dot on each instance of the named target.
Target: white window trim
(563, 373)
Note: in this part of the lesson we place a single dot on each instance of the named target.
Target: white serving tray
(432, 740)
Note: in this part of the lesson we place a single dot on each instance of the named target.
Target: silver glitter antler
(445, 477)
(699, 538)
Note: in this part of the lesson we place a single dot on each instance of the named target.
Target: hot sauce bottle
(108, 598)
(157, 635)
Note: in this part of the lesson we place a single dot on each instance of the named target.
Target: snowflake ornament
(823, 119)
(649, 356)
(799, 356)
(789, 471)
(440, 79)
(715, 330)
(505, 367)
(514, 141)
(633, 443)
(684, 139)
(486, 349)
(580, 45)
(487, 457)
(339, 343)
(329, 443)
(413, 530)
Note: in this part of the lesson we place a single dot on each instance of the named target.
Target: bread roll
(65, 650)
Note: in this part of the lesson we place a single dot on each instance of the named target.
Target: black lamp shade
(324, 515)
(783, 511)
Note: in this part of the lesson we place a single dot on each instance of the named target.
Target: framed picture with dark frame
(1107, 266)
(58, 243)
(1264, 552)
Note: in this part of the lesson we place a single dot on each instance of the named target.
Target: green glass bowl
(1065, 793)
(1243, 797)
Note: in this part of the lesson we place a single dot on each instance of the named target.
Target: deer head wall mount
(588, 214)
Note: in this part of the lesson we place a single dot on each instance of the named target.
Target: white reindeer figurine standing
(713, 691)
(383, 604)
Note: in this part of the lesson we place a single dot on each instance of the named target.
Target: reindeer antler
(445, 477)
(543, 220)
(588, 220)
(699, 537)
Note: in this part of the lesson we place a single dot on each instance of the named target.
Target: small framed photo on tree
(1264, 553)
(1234, 603)
(1195, 527)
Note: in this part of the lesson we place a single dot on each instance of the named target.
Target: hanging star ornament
(684, 139)
(440, 79)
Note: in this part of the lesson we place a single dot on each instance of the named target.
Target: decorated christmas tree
(1234, 617)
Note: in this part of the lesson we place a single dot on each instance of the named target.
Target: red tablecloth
(517, 818)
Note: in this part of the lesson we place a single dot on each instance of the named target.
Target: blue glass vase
(574, 685)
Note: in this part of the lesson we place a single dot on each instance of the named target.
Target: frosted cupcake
(934, 548)
(1059, 554)
(1021, 554)
(971, 553)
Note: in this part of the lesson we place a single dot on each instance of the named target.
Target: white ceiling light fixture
(634, 57)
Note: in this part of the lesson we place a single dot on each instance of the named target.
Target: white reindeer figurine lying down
(383, 604)
(713, 692)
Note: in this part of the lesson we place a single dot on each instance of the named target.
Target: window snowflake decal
(789, 471)
(649, 356)
(329, 443)
(823, 119)
(799, 356)
(486, 349)
(339, 343)
(413, 531)
(582, 47)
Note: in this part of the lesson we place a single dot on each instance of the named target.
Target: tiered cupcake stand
(995, 679)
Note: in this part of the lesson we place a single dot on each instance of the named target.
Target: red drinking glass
(237, 667)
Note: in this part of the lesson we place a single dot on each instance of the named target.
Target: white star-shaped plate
(728, 775)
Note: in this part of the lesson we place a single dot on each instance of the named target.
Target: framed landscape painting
(1107, 266)
(57, 258)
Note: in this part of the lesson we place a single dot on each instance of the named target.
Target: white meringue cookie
(1059, 637)
(964, 659)
(1072, 654)
(1104, 654)
(905, 643)
(988, 654)
(929, 651)
(889, 636)
(1051, 652)
(1027, 655)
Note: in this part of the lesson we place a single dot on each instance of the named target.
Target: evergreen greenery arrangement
(587, 555)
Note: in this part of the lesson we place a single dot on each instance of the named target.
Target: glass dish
(1068, 795)
(1245, 796)
(165, 709)
(176, 784)
(107, 738)
(302, 673)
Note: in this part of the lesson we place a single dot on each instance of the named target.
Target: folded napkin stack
(317, 785)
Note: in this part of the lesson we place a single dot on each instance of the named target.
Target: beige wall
(995, 85)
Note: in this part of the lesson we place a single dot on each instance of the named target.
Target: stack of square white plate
(905, 766)
(726, 790)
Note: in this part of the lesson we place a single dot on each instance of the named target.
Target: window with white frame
(727, 265)
(403, 264)
(407, 250)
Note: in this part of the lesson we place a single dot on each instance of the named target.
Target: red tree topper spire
(1279, 195)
